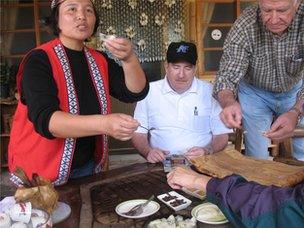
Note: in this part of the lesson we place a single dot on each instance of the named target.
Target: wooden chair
(285, 149)
(237, 139)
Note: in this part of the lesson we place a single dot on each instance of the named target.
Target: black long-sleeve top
(39, 93)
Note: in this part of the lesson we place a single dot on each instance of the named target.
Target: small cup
(21, 212)
(40, 219)
(5, 221)
(18, 225)
(41, 222)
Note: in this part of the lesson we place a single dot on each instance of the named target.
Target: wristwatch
(300, 113)
(295, 110)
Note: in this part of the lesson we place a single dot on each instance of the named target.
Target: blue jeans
(259, 107)
(83, 171)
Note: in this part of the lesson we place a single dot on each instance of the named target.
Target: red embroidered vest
(52, 159)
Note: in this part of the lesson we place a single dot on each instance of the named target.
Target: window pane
(44, 11)
(22, 43)
(246, 4)
(46, 36)
(212, 60)
(215, 42)
(16, 1)
(15, 63)
(218, 12)
(17, 18)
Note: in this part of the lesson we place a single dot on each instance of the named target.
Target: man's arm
(249, 204)
(141, 143)
(219, 142)
(233, 66)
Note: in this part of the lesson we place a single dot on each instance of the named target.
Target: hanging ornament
(111, 30)
(170, 3)
(130, 32)
(141, 44)
(107, 4)
(179, 28)
(159, 19)
(132, 3)
(143, 20)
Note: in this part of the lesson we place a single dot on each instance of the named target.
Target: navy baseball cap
(182, 51)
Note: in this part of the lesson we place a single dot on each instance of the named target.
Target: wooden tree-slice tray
(264, 172)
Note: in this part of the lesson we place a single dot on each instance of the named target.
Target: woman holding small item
(246, 204)
(63, 117)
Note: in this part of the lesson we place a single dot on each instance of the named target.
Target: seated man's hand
(156, 155)
(198, 151)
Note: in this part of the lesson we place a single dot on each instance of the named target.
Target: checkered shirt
(265, 60)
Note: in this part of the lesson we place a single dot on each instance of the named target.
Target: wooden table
(93, 199)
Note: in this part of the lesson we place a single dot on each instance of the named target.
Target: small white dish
(199, 213)
(61, 212)
(170, 203)
(124, 207)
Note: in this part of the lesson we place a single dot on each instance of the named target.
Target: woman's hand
(119, 126)
(121, 48)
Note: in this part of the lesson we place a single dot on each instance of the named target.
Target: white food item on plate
(173, 222)
(210, 213)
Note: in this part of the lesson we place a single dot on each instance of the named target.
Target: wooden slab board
(265, 172)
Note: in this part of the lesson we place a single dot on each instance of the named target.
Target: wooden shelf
(17, 5)
(218, 1)
(8, 106)
(18, 30)
(8, 101)
(213, 49)
(211, 25)
(24, 5)
(5, 165)
(13, 56)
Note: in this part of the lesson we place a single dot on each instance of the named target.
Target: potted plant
(4, 80)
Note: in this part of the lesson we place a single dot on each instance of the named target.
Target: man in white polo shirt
(180, 111)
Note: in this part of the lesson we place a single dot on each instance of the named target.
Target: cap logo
(53, 4)
(182, 48)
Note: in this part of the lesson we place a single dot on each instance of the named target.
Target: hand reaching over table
(181, 177)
